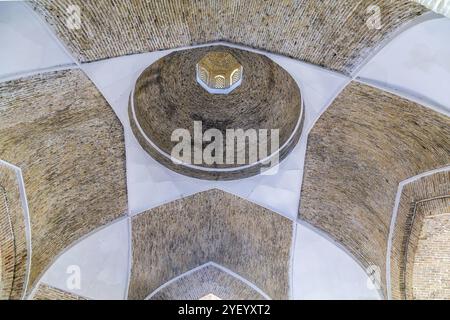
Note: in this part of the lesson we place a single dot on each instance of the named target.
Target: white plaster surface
(416, 63)
(151, 184)
(321, 270)
(26, 44)
(103, 261)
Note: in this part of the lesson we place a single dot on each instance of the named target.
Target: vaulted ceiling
(71, 155)
(333, 34)
(369, 172)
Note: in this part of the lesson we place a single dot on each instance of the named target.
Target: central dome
(168, 98)
(219, 72)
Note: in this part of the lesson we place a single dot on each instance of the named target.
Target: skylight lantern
(219, 72)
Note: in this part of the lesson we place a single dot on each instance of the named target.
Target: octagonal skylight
(219, 72)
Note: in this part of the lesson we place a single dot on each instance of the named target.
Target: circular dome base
(168, 99)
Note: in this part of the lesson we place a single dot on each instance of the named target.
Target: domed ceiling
(169, 150)
(167, 97)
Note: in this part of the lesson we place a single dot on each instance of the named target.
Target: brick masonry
(361, 148)
(204, 281)
(420, 198)
(352, 169)
(68, 142)
(431, 273)
(13, 241)
(46, 292)
(167, 97)
(211, 226)
(333, 34)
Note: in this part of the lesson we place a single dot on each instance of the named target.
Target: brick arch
(361, 148)
(207, 279)
(345, 41)
(421, 240)
(13, 240)
(69, 145)
(211, 226)
(47, 292)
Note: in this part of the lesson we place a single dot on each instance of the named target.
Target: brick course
(333, 34)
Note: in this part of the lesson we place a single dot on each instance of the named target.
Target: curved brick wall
(204, 281)
(69, 144)
(115, 28)
(211, 226)
(13, 241)
(361, 148)
(420, 238)
(431, 270)
(46, 292)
